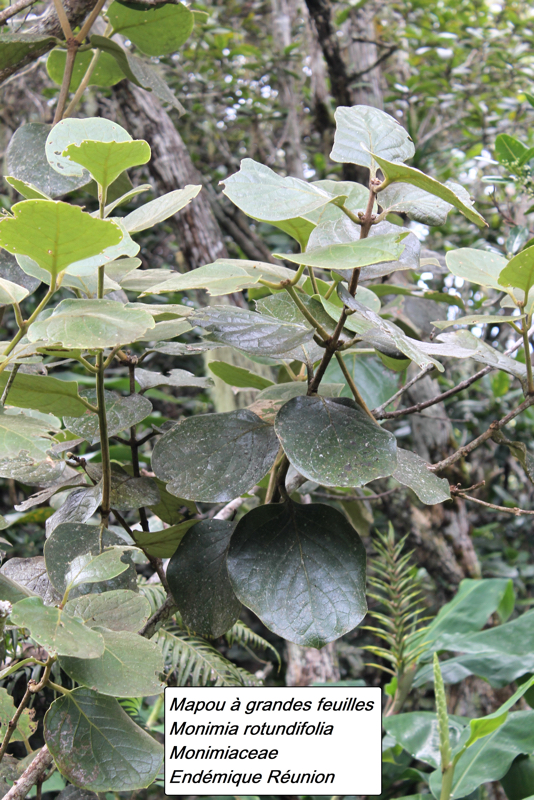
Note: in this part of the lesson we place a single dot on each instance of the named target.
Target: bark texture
(305, 665)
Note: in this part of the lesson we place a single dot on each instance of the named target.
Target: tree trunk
(283, 13)
(306, 665)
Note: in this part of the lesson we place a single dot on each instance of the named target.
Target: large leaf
(56, 631)
(352, 255)
(43, 393)
(418, 204)
(75, 554)
(476, 266)
(363, 130)
(106, 73)
(519, 272)
(333, 442)
(253, 333)
(121, 413)
(301, 569)
(26, 160)
(490, 758)
(56, 234)
(270, 400)
(160, 209)
(128, 667)
(217, 279)
(16, 47)
(414, 472)
(75, 131)
(96, 744)
(88, 324)
(199, 582)
(25, 727)
(107, 160)
(418, 733)
(213, 458)
(11, 591)
(401, 173)
(30, 578)
(118, 610)
(176, 377)
(79, 506)
(264, 195)
(156, 31)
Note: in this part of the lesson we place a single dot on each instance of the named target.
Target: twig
(31, 775)
(65, 84)
(10, 11)
(356, 75)
(9, 384)
(378, 410)
(228, 510)
(351, 498)
(63, 21)
(12, 724)
(163, 613)
(517, 512)
(89, 22)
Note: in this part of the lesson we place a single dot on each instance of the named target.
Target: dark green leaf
(121, 413)
(118, 610)
(301, 569)
(163, 544)
(56, 631)
(334, 442)
(14, 47)
(30, 578)
(199, 582)
(171, 509)
(156, 31)
(95, 743)
(237, 376)
(418, 733)
(43, 393)
(375, 382)
(106, 72)
(213, 458)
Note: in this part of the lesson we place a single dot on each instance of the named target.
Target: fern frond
(154, 593)
(194, 661)
(132, 706)
(245, 636)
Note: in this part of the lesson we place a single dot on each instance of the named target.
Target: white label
(273, 740)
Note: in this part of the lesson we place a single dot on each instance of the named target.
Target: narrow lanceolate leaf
(118, 610)
(363, 130)
(218, 280)
(56, 234)
(157, 30)
(264, 195)
(88, 324)
(11, 292)
(121, 413)
(43, 393)
(250, 332)
(477, 266)
(352, 255)
(333, 442)
(107, 160)
(213, 458)
(301, 569)
(128, 667)
(413, 471)
(160, 209)
(75, 131)
(519, 272)
(96, 744)
(403, 174)
(56, 631)
(199, 582)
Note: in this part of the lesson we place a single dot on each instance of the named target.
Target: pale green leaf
(476, 266)
(160, 209)
(107, 160)
(362, 131)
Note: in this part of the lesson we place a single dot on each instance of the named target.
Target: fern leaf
(194, 661)
(245, 636)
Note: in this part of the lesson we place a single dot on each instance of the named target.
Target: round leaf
(96, 744)
(107, 160)
(56, 631)
(155, 31)
(75, 131)
(118, 610)
(56, 234)
(360, 129)
(333, 442)
(476, 266)
(121, 413)
(301, 569)
(106, 73)
(213, 458)
(519, 272)
(199, 582)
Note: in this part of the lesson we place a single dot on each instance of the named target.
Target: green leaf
(253, 333)
(118, 610)
(375, 382)
(490, 758)
(112, 50)
(414, 472)
(107, 160)
(509, 151)
(163, 544)
(213, 458)
(23, 434)
(96, 744)
(199, 582)
(418, 733)
(26, 726)
(56, 235)
(476, 266)
(75, 131)
(11, 293)
(75, 554)
(11, 591)
(171, 509)
(15, 47)
(237, 376)
(264, 195)
(91, 324)
(27, 577)
(27, 190)
(351, 255)
(176, 377)
(56, 631)
(26, 160)
(43, 393)
(160, 209)
(270, 400)
(151, 79)
(362, 131)
(79, 506)
(216, 279)
(128, 667)
(155, 31)
(334, 442)
(476, 319)
(301, 569)
(194, 662)
(417, 203)
(519, 272)
(106, 73)
(121, 413)
(404, 174)
(518, 783)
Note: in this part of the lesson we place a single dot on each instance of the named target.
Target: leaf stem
(83, 85)
(352, 386)
(9, 384)
(528, 360)
(89, 22)
(25, 325)
(72, 49)
(305, 313)
(12, 724)
(313, 280)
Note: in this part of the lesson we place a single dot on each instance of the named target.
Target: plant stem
(63, 20)
(72, 49)
(9, 384)
(526, 344)
(83, 86)
(134, 444)
(104, 441)
(313, 280)
(305, 313)
(352, 386)
(12, 724)
(25, 325)
(89, 22)
(31, 775)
